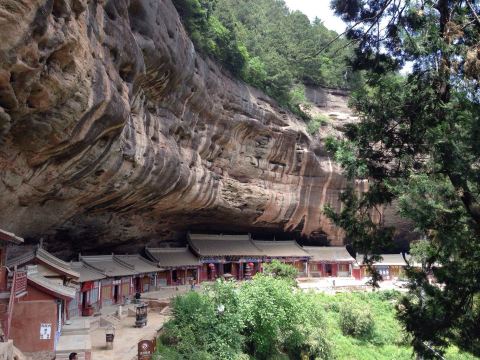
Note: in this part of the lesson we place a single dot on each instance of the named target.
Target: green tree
(417, 144)
(265, 318)
(268, 46)
(281, 270)
(206, 326)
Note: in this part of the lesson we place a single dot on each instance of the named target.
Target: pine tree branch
(473, 11)
(375, 17)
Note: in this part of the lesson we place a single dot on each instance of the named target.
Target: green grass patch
(316, 122)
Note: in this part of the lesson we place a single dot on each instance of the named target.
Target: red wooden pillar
(334, 269)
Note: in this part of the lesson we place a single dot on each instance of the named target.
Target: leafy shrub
(388, 295)
(266, 318)
(281, 270)
(316, 122)
(356, 321)
(198, 328)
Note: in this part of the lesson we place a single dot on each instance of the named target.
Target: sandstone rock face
(114, 129)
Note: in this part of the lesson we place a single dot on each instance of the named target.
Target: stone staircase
(75, 337)
(109, 320)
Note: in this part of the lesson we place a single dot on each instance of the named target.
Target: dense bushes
(267, 318)
(268, 46)
(198, 330)
(356, 321)
(281, 270)
(264, 318)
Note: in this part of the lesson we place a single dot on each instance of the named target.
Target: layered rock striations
(114, 129)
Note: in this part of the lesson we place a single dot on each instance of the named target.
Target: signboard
(146, 348)
(45, 331)
(20, 285)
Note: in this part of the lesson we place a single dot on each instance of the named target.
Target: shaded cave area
(68, 242)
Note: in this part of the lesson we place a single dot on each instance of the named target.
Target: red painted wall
(33, 309)
(334, 269)
(357, 274)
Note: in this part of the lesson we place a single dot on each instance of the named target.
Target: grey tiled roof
(172, 257)
(11, 237)
(87, 273)
(140, 264)
(52, 286)
(41, 255)
(387, 260)
(281, 248)
(223, 245)
(329, 253)
(109, 264)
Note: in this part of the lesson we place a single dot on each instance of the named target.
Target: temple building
(38, 317)
(288, 252)
(118, 284)
(146, 272)
(49, 301)
(52, 268)
(221, 255)
(392, 266)
(89, 290)
(326, 261)
(180, 265)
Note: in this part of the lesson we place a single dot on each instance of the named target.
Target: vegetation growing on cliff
(417, 142)
(268, 46)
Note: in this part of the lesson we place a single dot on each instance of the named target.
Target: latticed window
(106, 292)
(125, 289)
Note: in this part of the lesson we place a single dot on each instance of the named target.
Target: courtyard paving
(127, 335)
(333, 285)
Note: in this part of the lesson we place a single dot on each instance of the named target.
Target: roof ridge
(52, 257)
(139, 257)
(87, 264)
(122, 263)
(184, 248)
(22, 258)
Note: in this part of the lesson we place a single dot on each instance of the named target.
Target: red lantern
(250, 264)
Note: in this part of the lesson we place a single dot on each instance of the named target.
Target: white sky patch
(320, 9)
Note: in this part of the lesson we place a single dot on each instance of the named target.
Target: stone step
(109, 320)
(64, 356)
(77, 326)
(74, 343)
